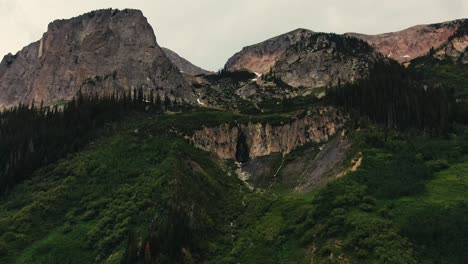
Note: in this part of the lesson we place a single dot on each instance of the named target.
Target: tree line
(32, 136)
(391, 96)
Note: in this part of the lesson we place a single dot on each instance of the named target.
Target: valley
(308, 147)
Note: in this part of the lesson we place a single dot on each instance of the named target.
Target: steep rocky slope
(323, 59)
(456, 48)
(102, 52)
(262, 56)
(413, 42)
(183, 64)
(303, 58)
(251, 140)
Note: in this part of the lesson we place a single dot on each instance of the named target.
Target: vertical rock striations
(246, 141)
(101, 52)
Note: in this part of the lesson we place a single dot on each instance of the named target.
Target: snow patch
(41, 44)
(407, 56)
(200, 102)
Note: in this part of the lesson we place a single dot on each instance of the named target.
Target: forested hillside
(306, 148)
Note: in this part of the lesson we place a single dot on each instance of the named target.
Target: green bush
(437, 165)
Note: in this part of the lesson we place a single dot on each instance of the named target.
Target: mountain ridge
(184, 65)
(413, 42)
(253, 57)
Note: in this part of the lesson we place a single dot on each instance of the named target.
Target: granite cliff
(246, 141)
(103, 52)
(323, 59)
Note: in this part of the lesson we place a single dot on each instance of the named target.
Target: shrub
(437, 165)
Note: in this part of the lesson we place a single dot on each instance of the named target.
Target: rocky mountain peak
(262, 56)
(323, 59)
(104, 51)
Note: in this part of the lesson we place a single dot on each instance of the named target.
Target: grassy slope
(431, 213)
(81, 209)
(436, 220)
(92, 198)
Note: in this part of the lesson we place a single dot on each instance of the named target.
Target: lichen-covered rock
(102, 52)
(263, 139)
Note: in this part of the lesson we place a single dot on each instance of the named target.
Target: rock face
(251, 140)
(408, 44)
(303, 58)
(183, 64)
(262, 56)
(323, 59)
(456, 48)
(101, 52)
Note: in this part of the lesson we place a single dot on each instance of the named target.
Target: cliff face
(324, 59)
(102, 51)
(303, 58)
(183, 64)
(247, 141)
(406, 45)
(262, 56)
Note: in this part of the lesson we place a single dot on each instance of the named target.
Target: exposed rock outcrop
(262, 56)
(324, 59)
(456, 47)
(183, 64)
(102, 52)
(303, 58)
(246, 141)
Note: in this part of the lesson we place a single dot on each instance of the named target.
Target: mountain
(322, 60)
(402, 46)
(408, 44)
(448, 64)
(103, 52)
(183, 64)
(262, 56)
(303, 58)
(266, 168)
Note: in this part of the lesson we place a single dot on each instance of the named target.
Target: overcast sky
(208, 32)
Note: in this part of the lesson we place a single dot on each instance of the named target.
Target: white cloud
(208, 32)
